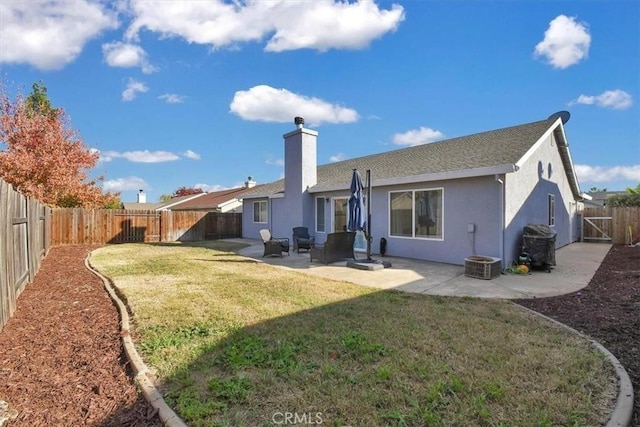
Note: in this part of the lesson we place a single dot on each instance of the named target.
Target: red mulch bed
(62, 361)
(608, 310)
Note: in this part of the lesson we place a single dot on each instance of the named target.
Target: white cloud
(607, 173)
(616, 99)
(207, 188)
(140, 156)
(324, 25)
(133, 88)
(266, 104)
(566, 42)
(49, 34)
(172, 98)
(123, 184)
(126, 55)
(321, 24)
(191, 155)
(337, 157)
(419, 136)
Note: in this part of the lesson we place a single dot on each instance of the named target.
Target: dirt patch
(608, 310)
(62, 361)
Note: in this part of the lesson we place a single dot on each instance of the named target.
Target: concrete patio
(576, 265)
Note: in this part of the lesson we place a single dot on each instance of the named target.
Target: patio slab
(576, 265)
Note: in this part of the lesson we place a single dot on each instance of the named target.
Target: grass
(241, 343)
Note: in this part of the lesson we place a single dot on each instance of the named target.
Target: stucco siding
(527, 194)
(250, 229)
(466, 201)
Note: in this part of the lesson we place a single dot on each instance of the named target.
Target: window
(320, 214)
(552, 209)
(260, 211)
(416, 213)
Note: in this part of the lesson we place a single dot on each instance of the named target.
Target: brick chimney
(300, 173)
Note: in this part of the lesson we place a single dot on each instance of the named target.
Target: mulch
(62, 361)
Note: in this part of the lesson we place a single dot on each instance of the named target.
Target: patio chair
(338, 247)
(274, 245)
(302, 239)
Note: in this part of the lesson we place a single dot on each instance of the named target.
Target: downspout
(501, 216)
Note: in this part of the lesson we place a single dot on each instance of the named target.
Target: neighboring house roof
(133, 206)
(212, 200)
(599, 198)
(485, 153)
(174, 201)
(160, 205)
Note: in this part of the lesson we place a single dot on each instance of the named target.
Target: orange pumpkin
(523, 269)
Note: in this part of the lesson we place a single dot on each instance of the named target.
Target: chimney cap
(298, 120)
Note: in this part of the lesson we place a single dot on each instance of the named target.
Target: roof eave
(263, 196)
(438, 176)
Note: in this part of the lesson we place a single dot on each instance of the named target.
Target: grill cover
(539, 242)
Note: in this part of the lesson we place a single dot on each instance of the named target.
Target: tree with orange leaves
(43, 157)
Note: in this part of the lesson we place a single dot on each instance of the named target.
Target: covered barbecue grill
(539, 246)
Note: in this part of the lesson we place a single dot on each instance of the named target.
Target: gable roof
(159, 205)
(211, 200)
(485, 153)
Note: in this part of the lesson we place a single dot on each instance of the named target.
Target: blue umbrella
(357, 219)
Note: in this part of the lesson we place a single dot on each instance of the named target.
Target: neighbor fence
(617, 225)
(24, 242)
(101, 226)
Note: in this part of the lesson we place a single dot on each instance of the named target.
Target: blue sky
(199, 93)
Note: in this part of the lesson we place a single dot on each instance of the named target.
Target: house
(229, 200)
(599, 198)
(141, 202)
(441, 202)
(216, 201)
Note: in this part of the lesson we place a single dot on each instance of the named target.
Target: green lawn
(241, 343)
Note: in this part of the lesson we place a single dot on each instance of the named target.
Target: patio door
(340, 208)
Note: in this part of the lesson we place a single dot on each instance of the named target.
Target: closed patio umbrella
(357, 220)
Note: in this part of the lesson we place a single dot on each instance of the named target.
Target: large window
(552, 209)
(260, 211)
(416, 213)
(320, 214)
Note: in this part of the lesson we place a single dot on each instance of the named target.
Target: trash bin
(539, 245)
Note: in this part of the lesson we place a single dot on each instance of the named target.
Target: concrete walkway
(576, 265)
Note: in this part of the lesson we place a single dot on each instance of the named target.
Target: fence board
(101, 226)
(24, 242)
(623, 227)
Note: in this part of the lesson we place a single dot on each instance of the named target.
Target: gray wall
(251, 230)
(465, 201)
(526, 195)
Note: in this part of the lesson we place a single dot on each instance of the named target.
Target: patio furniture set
(338, 247)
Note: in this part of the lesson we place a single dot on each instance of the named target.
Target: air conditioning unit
(482, 267)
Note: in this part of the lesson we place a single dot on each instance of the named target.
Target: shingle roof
(211, 200)
(494, 148)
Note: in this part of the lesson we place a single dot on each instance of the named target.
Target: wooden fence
(24, 242)
(101, 226)
(615, 225)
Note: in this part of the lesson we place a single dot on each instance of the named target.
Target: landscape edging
(151, 394)
(623, 411)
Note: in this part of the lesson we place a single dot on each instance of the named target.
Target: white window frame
(320, 205)
(413, 214)
(551, 209)
(261, 209)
